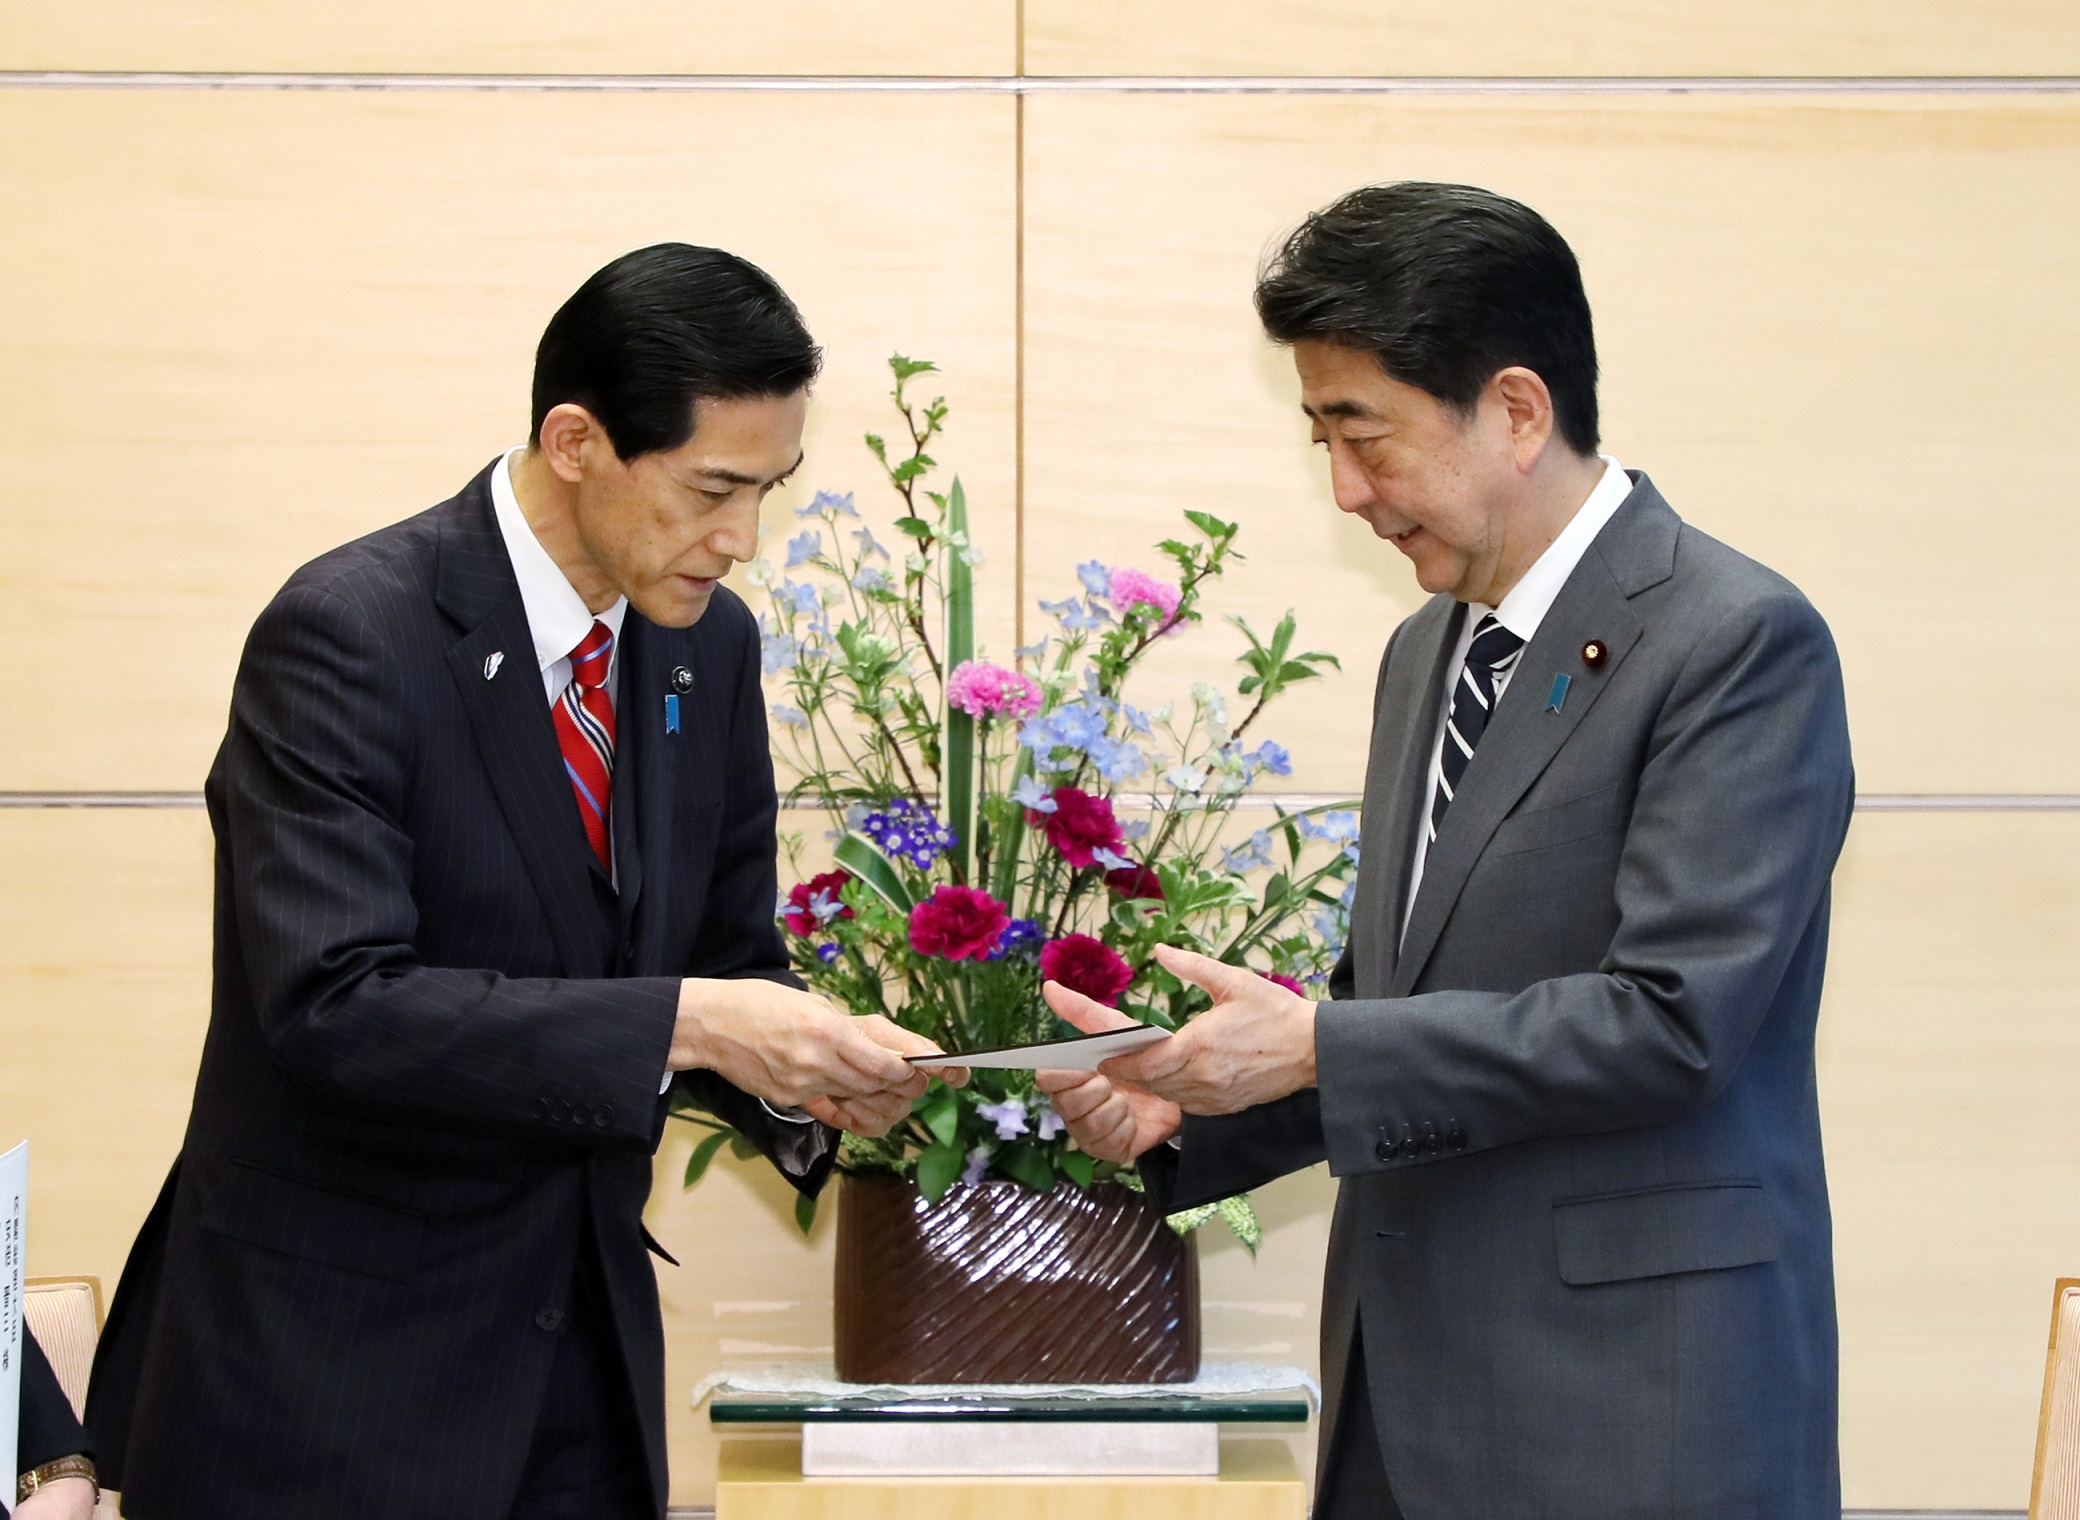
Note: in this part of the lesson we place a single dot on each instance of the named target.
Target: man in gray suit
(1580, 1267)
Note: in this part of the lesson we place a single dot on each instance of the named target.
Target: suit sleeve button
(539, 1107)
(602, 1116)
(559, 1110)
(1433, 1142)
(1385, 1150)
(550, 1320)
(1455, 1137)
(580, 1114)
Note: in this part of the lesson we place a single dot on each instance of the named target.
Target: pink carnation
(991, 691)
(1137, 588)
(959, 923)
(1285, 981)
(1085, 965)
(1080, 826)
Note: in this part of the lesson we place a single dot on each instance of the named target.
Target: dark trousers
(1352, 1483)
(586, 1461)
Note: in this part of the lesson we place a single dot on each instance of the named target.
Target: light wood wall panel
(516, 37)
(1948, 1054)
(245, 327)
(1574, 37)
(1837, 334)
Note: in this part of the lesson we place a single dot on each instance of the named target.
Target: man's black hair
(661, 328)
(1444, 285)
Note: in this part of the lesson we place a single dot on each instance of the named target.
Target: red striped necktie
(585, 733)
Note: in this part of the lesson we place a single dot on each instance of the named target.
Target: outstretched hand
(1254, 1045)
(1110, 1120)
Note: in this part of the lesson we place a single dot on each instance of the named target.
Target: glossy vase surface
(998, 1284)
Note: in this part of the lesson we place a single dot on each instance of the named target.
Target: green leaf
(938, 1168)
(958, 751)
(1184, 1221)
(697, 1163)
(911, 468)
(877, 448)
(805, 1211)
(742, 1147)
(916, 527)
(941, 1112)
(905, 368)
(1241, 1217)
(1077, 1167)
(1210, 525)
(1028, 1165)
(858, 854)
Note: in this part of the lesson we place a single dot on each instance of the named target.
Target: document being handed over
(1080, 1052)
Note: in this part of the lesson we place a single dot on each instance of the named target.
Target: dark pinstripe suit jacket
(1583, 1221)
(435, 1042)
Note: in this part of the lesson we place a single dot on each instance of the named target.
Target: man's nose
(737, 534)
(1349, 484)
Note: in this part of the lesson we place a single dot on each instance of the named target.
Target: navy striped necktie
(1492, 654)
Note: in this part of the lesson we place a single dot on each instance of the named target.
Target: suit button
(1455, 1137)
(580, 1114)
(602, 1116)
(1386, 1150)
(559, 1110)
(539, 1107)
(550, 1320)
(1409, 1143)
(628, 948)
(1433, 1142)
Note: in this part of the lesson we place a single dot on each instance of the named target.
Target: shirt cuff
(787, 1115)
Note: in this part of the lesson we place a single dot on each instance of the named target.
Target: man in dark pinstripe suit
(495, 869)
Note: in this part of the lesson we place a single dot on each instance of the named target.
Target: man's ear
(1528, 406)
(569, 435)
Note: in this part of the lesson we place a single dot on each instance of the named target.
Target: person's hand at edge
(1110, 1119)
(1254, 1045)
(66, 1499)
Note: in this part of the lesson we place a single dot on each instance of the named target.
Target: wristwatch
(51, 1472)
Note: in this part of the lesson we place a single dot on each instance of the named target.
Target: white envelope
(1081, 1052)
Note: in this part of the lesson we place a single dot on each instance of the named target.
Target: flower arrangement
(997, 824)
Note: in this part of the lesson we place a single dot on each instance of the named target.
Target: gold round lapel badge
(1594, 653)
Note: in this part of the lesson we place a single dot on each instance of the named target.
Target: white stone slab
(1000, 1449)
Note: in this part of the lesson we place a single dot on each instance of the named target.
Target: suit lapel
(642, 772)
(1393, 791)
(1525, 734)
(509, 716)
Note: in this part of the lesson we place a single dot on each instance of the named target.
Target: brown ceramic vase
(999, 1284)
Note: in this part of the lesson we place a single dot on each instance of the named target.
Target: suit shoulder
(377, 574)
(1713, 577)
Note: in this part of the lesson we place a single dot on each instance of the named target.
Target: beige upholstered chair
(65, 1314)
(2054, 1492)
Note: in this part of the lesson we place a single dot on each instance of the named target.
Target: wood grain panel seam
(1061, 84)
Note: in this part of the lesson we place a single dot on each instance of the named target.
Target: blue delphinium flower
(1273, 758)
(793, 717)
(806, 598)
(868, 544)
(1022, 938)
(1115, 761)
(906, 829)
(778, 651)
(1254, 856)
(1340, 825)
(829, 501)
(1097, 580)
(870, 578)
(803, 547)
(1032, 795)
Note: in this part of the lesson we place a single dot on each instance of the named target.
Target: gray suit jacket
(1583, 1220)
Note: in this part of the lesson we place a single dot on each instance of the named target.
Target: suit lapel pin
(496, 658)
(671, 712)
(1558, 694)
(682, 679)
(1595, 652)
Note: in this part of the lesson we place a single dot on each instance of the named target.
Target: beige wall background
(271, 275)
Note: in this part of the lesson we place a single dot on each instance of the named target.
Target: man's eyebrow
(1347, 409)
(738, 478)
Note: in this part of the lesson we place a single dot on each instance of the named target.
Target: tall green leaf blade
(959, 757)
(1008, 841)
(805, 1212)
(697, 1163)
(858, 855)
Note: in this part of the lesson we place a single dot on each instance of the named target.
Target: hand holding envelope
(1254, 1045)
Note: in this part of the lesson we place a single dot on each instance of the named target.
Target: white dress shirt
(1523, 608)
(557, 617)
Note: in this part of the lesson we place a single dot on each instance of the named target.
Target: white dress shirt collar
(557, 617)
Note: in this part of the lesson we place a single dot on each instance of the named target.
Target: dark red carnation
(1285, 981)
(1135, 882)
(1079, 826)
(958, 923)
(801, 918)
(1084, 965)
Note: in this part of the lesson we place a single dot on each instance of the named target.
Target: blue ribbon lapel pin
(1558, 694)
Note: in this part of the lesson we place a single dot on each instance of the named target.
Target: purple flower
(978, 1163)
(1009, 1117)
(828, 952)
(1050, 1124)
(907, 830)
(1021, 937)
